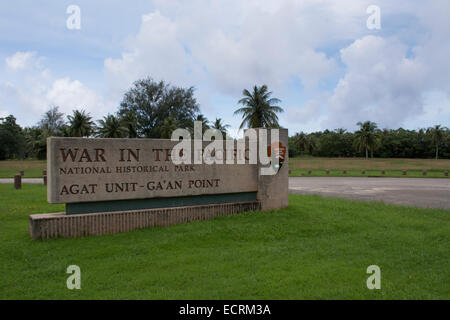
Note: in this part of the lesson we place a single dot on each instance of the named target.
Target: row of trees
(17, 142)
(151, 109)
(369, 140)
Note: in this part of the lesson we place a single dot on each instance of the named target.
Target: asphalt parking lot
(424, 193)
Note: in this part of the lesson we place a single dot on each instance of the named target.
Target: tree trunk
(437, 151)
(367, 153)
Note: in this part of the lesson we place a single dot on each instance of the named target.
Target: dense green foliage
(112, 127)
(318, 248)
(386, 143)
(150, 103)
(81, 124)
(12, 139)
(51, 124)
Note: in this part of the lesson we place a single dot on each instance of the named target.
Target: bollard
(327, 171)
(424, 172)
(45, 180)
(383, 172)
(446, 173)
(17, 182)
(344, 172)
(289, 172)
(22, 173)
(44, 172)
(309, 171)
(404, 172)
(363, 171)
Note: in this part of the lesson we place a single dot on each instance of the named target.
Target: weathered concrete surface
(86, 170)
(425, 193)
(273, 190)
(53, 225)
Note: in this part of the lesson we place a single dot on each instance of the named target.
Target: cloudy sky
(318, 56)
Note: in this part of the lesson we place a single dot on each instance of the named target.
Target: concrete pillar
(273, 190)
(17, 181)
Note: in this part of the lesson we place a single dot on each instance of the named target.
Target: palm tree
(111, 127)
(437, 136)
(52, 121)
(204, 121)
(310, 143)
(129, 121)
(218, 125)
(259, 109)
(340, 131)
(366, 137)
(169, 125)
(301, 142)
(80, 124)
(35, 138)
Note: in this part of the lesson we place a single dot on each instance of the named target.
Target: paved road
(425, 193)
(24, 180)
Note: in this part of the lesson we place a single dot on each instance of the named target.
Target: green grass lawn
(368, 173)
(318, 248)
(299, 167)
(393, 167)
(31, 168)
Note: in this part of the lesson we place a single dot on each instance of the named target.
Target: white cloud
(436, 110)
(309, 111)
(22, 60)
(400, 80)
(34, 91)
(71, 95)
(230, 47)
(381, 84)
(227, 48)
(319, 50)
(155, 51)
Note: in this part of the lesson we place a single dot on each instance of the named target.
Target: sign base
(54, 225)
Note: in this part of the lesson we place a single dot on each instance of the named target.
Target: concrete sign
(88, 170)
